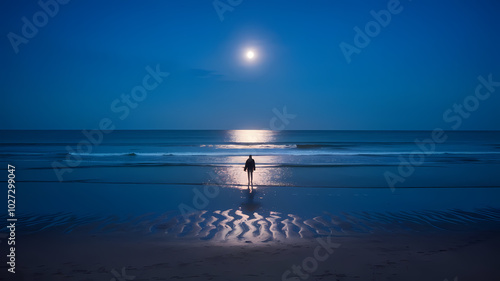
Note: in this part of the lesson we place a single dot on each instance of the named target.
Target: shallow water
(307, 183)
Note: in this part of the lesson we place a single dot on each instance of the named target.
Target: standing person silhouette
(249, 168)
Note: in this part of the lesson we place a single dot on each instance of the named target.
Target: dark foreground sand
(121, 256)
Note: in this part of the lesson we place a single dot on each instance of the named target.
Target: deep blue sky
(91, 52)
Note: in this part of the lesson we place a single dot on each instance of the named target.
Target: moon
(250, 55)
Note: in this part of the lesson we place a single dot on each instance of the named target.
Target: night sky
(86, 56)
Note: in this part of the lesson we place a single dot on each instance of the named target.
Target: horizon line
(347, 130)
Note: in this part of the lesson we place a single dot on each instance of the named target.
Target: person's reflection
(249, 206)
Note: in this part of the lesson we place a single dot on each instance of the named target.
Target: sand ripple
(236, 225)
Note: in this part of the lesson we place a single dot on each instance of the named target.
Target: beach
(167, 205)
(436, 256)
(232, 140)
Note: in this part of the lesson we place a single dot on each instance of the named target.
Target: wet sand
(123, 232)
(416, 256)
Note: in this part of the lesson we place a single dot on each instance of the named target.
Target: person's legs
(248, 173)
(251, 176)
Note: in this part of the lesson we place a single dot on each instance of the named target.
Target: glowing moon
(250, 55)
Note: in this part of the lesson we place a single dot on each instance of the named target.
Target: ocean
(72, 180)
(464, 159)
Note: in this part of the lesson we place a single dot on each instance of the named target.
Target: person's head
(250, 156)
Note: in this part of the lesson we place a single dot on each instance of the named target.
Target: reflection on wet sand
(235, 177)
(265, 226)
(249, 206)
